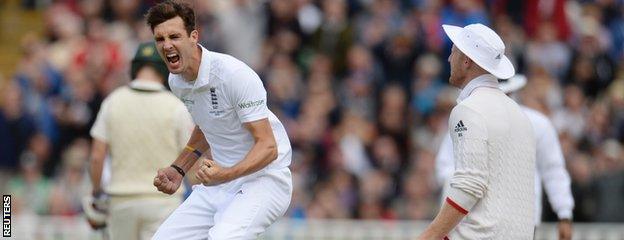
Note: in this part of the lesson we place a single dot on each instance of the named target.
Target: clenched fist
(211, 174)
(168, 180)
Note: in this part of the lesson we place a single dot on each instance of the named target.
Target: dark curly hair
(170, 9)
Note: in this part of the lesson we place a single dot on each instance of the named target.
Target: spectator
(609, 201)
(16, 128)
(31, 189)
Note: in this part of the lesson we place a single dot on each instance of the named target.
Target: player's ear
(195, 36)
(465, 61)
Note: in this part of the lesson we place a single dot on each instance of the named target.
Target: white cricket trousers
(138, 218)
(240, 209)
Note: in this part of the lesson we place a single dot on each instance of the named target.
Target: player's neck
(193, 69)
(149, 74)
(471, 75)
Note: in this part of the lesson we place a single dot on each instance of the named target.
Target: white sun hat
(513, 84)
(483, 46)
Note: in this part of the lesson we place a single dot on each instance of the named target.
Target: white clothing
(181, 115)
(239, 211)
(145, 128)
(226, 94)
(571, 122)
(549, 161)
(138, 218)
(494, 150)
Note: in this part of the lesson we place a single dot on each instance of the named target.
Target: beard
(455, 79)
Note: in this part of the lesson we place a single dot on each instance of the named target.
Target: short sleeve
(248, 95)
(99, 130)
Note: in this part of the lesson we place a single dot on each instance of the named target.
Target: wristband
(193, 150)
(178, 169)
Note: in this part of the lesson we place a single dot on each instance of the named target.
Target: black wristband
(178, 169)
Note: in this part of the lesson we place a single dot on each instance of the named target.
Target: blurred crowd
(361, 86)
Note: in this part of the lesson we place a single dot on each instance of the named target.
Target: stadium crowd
(361, 86)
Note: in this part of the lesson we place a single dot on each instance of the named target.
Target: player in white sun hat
(491, 192)
(551, 170)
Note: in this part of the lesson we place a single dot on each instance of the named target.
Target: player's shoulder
(229, 71)
(169, 95)
(465, 109)
(537, 118)
(119, 91)
(225, 63)
(533, 113)
(482, 98)
(175, 82)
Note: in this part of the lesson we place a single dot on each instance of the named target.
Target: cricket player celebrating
(549, 161)
(491, 193)
(247, 185)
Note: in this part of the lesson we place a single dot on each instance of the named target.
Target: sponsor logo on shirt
(459, 128)
(250, 104)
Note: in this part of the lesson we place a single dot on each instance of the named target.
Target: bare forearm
(187, 158)
(191, 174)
(98, 154)
(261, 155)
(444, 222)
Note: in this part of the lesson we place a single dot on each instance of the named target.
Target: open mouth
(173, 58)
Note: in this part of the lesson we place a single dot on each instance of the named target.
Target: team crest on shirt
(214, 101)
(213, 98)
(460, 128)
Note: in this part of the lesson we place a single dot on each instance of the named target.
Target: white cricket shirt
(145, 128)
(226, 94)
(494, 152)
(549, 160)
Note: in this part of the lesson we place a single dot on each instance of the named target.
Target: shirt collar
(204, 68)
(146, 85)
(485, 80)
(202, 74)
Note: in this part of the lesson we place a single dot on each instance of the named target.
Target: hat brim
(505, 68)
(514, 83)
